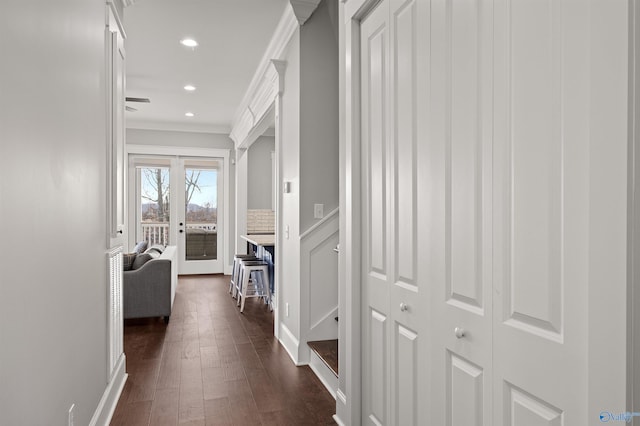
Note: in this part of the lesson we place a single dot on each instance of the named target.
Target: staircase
(324, 362)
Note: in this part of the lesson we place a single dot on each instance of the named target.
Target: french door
(199, 231)
(179, 202)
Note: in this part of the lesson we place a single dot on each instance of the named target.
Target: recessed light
(189, 88)
(189, 42)
(189, 114)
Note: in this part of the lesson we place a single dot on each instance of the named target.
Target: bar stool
(259, 286)
(239, 283)
(235, 275)
(240, 276)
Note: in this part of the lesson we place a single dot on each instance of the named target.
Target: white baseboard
(324, 373)
(338, 421)
(107, 405)
(290, 343)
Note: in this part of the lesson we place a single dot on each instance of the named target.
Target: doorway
(181, 201)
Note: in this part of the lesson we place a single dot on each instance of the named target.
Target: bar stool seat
(258, 286)
(235, 275)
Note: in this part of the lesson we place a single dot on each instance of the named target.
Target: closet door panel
(541, 168)
(460, 149)
(465, 389)
(407, 291)
(377, 262)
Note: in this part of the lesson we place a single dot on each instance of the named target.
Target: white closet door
(478, 185)
(375, 256)
(394, 371)
(541, 200)
(459, 211)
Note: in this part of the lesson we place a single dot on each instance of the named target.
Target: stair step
(327, 351)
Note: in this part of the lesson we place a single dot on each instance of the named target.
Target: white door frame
(174, 151)
(633, 316)
(349, 394)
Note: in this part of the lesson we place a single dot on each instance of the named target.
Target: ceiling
(232, 35)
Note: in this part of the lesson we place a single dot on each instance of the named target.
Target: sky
(207, 182)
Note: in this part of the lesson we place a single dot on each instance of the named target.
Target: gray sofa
(148, 288)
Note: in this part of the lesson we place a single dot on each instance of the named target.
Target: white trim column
(260, 102)
(242, 190)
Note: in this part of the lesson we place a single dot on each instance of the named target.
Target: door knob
(459, 332)
(404, 307)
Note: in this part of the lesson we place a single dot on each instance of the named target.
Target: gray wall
(319, 113)
(53, 278)
(309, 138)
(260, 174)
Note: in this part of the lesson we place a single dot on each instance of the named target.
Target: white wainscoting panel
(319, 273)
(116, 349)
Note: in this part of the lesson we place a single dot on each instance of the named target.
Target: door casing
(172, 151)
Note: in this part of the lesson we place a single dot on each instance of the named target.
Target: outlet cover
(318, 211)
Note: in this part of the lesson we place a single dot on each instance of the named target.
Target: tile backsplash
(261, 221)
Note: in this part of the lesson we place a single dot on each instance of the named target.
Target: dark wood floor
(214, 366)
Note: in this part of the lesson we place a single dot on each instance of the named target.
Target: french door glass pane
(155, 204)
(201, 214)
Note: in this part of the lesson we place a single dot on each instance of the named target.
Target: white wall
(289, 288)
(193, 140)
(260, 174)
(53, 279)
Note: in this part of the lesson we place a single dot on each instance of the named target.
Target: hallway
(214, 366)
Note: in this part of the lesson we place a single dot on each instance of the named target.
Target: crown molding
(303, 9)
(176, 127)
(267, 82)
(254, 120)
(275, 50)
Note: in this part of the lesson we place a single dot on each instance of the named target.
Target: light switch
(318, 211)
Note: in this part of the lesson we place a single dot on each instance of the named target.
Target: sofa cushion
(156, 247)
(140, 260)
(140, 247)
(127, 261)
(153, 253)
